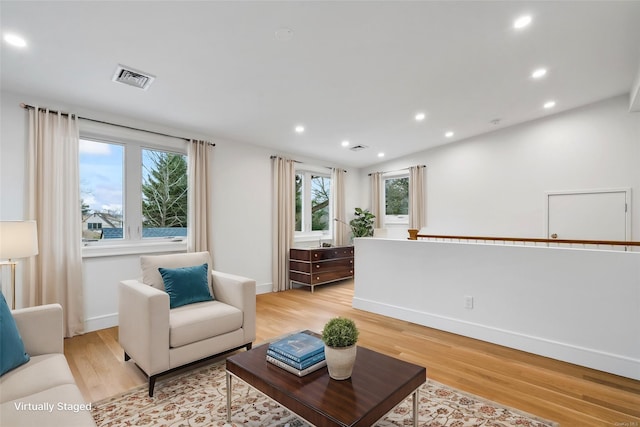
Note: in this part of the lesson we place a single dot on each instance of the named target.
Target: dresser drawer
(330, 253)
(321, 266)
(320, 254)
(330, 276)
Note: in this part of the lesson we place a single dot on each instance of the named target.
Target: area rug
(198, 398)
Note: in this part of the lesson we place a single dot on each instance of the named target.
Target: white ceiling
(355, 70)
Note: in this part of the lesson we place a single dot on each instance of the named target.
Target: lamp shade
(18, 239)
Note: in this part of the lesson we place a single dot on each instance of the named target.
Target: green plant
(340, 332)
(362, 224)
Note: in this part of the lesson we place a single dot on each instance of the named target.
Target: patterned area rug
(198, 398)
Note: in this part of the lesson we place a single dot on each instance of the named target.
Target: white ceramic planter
(340, 361)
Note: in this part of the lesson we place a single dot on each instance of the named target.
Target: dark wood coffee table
(377, 385)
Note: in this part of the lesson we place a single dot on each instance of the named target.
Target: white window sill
(311, 238)
(151, 247)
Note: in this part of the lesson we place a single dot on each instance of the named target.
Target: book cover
(298, 346)
(298, 372)
(298, 365)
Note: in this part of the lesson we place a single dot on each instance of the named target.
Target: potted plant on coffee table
(340, 335)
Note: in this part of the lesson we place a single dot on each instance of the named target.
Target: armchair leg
(152, 384)
(126, 356)
(248, 346)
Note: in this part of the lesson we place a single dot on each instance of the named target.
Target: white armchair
(160, 339)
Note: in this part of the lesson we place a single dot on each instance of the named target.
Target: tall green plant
(362, 224)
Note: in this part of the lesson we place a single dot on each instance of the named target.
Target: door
(589, 215)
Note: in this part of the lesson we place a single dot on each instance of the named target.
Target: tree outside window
(313, 194)
(396, 191)
(164, 190)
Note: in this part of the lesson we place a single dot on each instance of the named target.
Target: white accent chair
(160, 339)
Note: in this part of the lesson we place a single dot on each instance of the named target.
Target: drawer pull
(317, 265)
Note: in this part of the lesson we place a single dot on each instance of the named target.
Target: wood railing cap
(414, 235)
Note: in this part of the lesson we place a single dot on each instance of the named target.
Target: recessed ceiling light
(15, 40)
(549, 104)
(522, 22)
(380, 154)
(448, 134)
(299, 129)
(284, 34)
(345, 143)
(540, 72)
(420, 116)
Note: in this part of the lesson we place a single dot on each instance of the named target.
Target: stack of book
(300, 353)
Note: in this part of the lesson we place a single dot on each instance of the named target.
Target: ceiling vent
(358, 147)
(132, 77)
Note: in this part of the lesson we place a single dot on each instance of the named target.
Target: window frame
(394, 220)
(134, 142)
(306, 234)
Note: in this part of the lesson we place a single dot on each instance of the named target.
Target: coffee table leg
(228, 397)
(415, 408)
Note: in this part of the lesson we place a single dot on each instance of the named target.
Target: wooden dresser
(316, 266)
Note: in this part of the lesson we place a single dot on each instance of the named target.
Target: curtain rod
(302, 163)
(27, 107)
(398, 170)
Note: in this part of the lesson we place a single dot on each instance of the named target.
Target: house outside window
(132, 191)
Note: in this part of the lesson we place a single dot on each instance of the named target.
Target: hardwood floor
(568, 394)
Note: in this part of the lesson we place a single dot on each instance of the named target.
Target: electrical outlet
(468, 302)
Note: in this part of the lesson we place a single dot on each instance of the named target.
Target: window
(131, 192)
(164, 194)
(396, 200)
(101, 188)
(313, 195)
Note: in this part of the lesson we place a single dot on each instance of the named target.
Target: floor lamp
(18, 239)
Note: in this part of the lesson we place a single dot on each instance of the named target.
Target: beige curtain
(376, 195)
(283, 219)
(341, 231)
(200, 226)
(55, 275)
(416, 197)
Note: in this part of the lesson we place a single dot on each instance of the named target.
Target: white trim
(613, 363)
(133, 248)
(101, 322)
(307, 174)
(264, 288)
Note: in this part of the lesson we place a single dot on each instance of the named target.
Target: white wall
(242, 205)
(577, 305)
(494, 184)
(491, 184)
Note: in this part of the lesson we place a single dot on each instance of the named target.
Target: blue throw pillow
(12, 352)
(186, 285)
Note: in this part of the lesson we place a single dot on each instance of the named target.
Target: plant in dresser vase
(340, 336)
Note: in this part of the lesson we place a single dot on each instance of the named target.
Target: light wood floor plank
(569, 394)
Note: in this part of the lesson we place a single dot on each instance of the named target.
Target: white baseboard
(264, 288)
(101, 322)
(612, 363)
